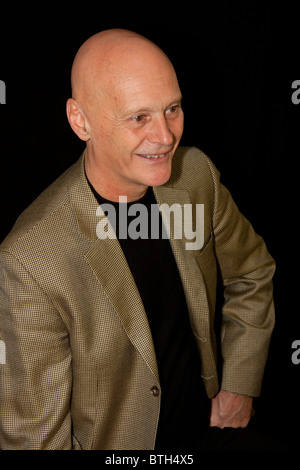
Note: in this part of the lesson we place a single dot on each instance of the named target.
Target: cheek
(177, 127)
(131, 140)
(100, 135)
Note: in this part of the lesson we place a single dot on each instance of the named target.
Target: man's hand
(230, 409)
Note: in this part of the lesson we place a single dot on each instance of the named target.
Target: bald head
(109, 56)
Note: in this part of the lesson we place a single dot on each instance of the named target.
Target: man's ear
(77, 119)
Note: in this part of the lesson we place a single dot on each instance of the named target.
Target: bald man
(107, 334)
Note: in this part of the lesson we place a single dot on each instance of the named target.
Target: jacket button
(155, 391)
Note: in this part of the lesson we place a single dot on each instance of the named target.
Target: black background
(236, 63)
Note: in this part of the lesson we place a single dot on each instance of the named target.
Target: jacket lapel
(189, 270)
(109, 264)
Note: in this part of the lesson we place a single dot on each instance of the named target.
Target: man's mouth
(162, 155)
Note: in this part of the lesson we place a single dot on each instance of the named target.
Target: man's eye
(139, 118)
(174, 110)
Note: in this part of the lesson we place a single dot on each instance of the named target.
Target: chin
(158, 176)
(159, 180)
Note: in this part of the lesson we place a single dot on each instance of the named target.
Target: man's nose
(160, 132)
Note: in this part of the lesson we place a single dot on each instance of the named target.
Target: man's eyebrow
(133, 111)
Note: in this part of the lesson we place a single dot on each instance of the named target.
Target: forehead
(145, 88)
(142, 80)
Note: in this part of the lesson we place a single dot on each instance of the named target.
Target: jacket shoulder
(42, 209)
(193, 170)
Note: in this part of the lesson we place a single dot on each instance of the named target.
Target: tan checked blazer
(79, 369)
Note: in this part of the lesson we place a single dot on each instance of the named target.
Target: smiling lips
(153, 156)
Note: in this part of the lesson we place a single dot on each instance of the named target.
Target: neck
(106, 187)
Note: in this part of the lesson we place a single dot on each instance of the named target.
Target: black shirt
(184, 404)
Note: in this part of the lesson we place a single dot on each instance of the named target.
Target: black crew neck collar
(103, 200)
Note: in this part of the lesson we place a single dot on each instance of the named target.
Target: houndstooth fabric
(79, 365)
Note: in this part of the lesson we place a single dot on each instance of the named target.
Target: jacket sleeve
(248, 312)
(35, 371)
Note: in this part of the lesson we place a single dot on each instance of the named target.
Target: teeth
(154, 156)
